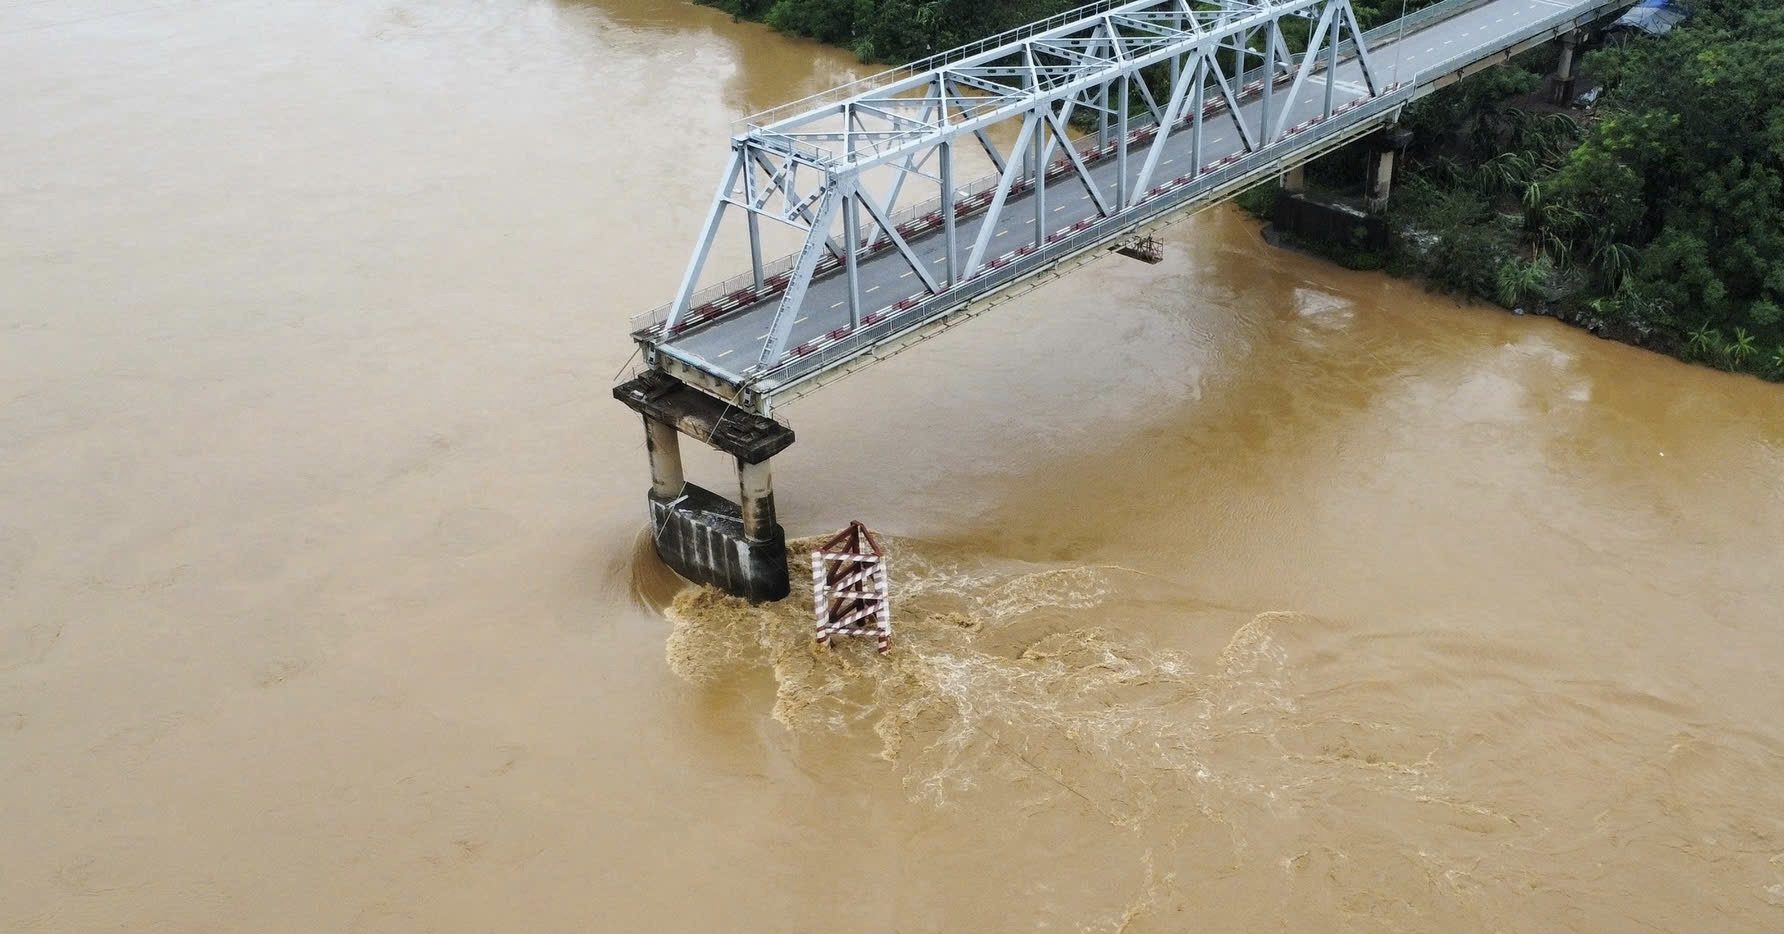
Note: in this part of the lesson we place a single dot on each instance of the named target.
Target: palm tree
(1508, 171)
(1615, 262)
(1549, 135)
(1519, 280)
(1742, 348)
(1448, 170)
(1778, 362)
(1704, 340)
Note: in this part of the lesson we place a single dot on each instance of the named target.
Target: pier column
(663, 443)
(1564, 69)
(757, 501)
(1294, 181)
(1381, 179)
(1382, 147)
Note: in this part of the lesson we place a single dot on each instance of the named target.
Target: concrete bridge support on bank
(1382, 149)
(1566, 66)
(737, 547)
(1294, 181)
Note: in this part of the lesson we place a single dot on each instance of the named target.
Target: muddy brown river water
(1240, 593)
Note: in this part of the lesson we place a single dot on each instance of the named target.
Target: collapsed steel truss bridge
(1132, 111)
(923, 195)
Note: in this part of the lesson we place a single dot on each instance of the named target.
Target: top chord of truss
(962, 90)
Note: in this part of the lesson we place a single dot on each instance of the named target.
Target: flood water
(1240, 593)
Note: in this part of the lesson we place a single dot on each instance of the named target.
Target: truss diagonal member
(1195, 17)
(1157, 25)
(1071, 152)
(935, 107)
(1173, 111)
(1232, 104)
(781, 327)
(1284, 58)
(714, 215)
(995, 212)
(777, 177)
(999, 93)
(1158, 115)
(1309, 59)
(798, 207)
(1105, 29)
(913, 165)
(991, 151)
(891, 231)
(1076, 51)
(902, 124)
(1363, 60)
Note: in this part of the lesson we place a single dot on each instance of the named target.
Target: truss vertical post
(749, 197)
(756, 250)
(1102, 116)
(1121, 144)
(952, 249)
(1198, 102)
(936, 107)
(1269, 91)
(1331, 66)
(1040, 180)
(851, 232)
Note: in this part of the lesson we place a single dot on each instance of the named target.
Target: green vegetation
(906, 30)
(1658, 219)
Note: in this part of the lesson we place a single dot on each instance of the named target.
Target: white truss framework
(1134, 75)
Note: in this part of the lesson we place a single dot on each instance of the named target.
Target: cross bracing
(1078, 127)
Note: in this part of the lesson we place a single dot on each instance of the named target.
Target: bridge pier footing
(737, 547)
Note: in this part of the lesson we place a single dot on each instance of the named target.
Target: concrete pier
(1564, 69)
(1381, 179)
(756, 499)
(663, 443)
(1294, 181)
(1382, 148)
(736, 547)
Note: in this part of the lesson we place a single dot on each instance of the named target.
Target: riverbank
(1650, 210)
(1633, 334)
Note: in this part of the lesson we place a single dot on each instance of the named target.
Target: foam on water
(1296, 758)
(998, 673)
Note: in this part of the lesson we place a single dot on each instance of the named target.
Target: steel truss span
(1080, 128)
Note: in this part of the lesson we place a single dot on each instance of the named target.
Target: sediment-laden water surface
(1235, 593)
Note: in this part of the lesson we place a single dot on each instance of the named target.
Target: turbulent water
(1236, 593)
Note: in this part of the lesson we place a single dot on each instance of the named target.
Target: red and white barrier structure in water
(848, 584)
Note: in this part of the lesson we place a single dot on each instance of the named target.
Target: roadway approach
(1242, 104)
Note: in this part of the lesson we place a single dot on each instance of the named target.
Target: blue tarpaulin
(1653, 17)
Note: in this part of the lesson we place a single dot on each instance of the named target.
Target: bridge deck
(728, 346)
